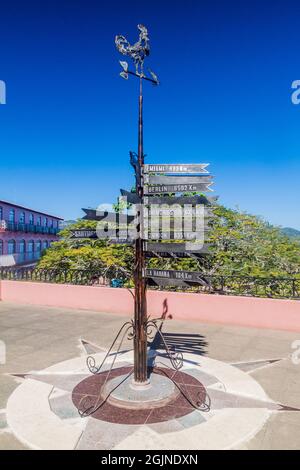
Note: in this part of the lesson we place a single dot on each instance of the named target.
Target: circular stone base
(233, 409)
(122, 391)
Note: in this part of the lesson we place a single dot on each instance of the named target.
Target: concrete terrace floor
(37, 337)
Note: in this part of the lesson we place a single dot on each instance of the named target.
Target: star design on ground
(109, 432)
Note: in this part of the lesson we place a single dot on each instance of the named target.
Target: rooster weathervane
(138, 52)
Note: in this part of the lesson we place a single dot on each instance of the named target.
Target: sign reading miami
(2, 92)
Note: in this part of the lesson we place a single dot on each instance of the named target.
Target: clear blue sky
(226, 69)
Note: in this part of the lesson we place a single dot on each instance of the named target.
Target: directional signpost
(156, 184)
(168, 216)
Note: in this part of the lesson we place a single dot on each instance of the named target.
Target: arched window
(1, 213)
(31, 219)
(11, 217)
(45, 222)
(1, 247)
(39, 220)
(11, 247)
(22, 246)
(38, 245)
(45, 245)
(22, 218)
(30, 246)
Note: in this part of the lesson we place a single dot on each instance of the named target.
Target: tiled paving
(37, 337)
(178, 407)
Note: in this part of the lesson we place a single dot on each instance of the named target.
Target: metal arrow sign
(132, 198)
(121, 241)
(177, 211)
(176, 168)
(176, 235)
(174, 247)
(93, 214)
(180, 255)
(175, 250)
(177, 188)
(194, 200)
(83, 233)
(151, 281)
(177, 276)
(170, 179)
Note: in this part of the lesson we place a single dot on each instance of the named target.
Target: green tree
(85, 254)
(241, 244)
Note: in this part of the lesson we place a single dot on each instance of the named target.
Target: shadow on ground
(177, 342)
(180, 342)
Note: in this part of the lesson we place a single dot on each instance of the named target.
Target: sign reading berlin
(177, 188)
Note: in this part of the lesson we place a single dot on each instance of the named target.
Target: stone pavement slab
(38, 337)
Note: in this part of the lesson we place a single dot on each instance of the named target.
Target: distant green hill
(291, 232)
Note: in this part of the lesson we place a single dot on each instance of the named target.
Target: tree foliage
(241, 244)
(247, 245)
(91, 255)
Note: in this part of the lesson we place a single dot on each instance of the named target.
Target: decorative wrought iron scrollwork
(86, 405)
(203, 401)
(203, 405)
(127, 329)
(89, 404)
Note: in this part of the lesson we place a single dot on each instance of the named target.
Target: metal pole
(140, 308)
(138, 51)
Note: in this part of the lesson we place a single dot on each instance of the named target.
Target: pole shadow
(179, 343)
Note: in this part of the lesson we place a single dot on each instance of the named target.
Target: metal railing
(27, 228)
(80, 277)
(275, 287)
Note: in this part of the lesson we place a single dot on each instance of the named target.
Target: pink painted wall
(231, 310)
